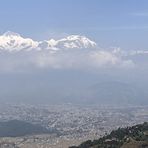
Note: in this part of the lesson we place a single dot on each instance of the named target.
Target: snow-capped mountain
(76, 41)
(70, 42)
(11, 41)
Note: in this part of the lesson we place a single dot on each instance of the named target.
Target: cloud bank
(73, 52)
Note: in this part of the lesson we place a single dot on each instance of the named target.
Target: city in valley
(68, 124)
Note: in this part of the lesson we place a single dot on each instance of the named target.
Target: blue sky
(30, 74)
(122, 23)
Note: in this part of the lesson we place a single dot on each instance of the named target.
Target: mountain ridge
(11, 41)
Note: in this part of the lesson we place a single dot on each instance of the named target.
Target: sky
(108, 22)
(111, 69)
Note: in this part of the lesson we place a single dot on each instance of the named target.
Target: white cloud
(73, 52)
(71, 59)
(121, 52)
(103, 58)
(80, 59)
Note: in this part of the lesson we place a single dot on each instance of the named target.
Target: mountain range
(11, 41)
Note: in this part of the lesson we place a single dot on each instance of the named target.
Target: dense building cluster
(70, 124)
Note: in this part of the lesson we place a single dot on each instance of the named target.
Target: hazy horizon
(81, 52)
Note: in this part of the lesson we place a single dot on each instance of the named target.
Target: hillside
(130, 137)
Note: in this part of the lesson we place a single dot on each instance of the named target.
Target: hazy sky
(122, 23)
(114, 69)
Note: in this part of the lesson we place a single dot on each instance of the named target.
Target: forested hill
(130, 137)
